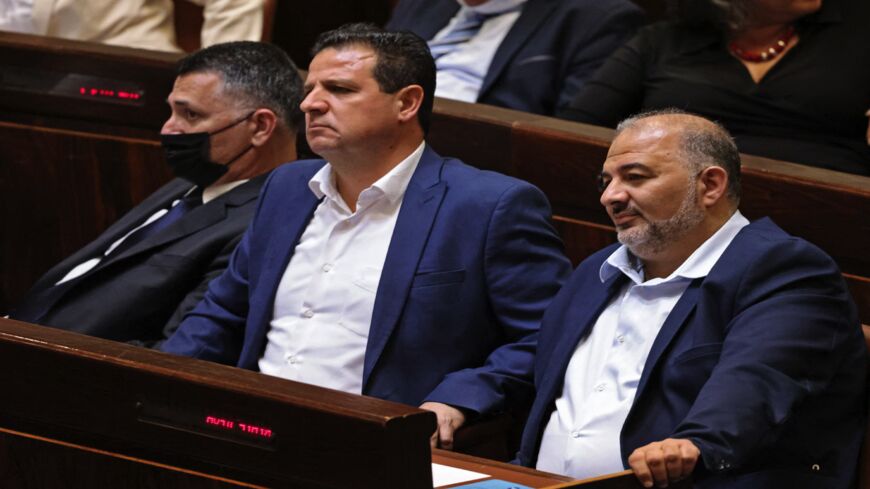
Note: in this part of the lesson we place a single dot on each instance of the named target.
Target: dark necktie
(464, 30)
(461, 33)
(185, 205)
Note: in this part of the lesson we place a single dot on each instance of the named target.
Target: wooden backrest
(84, 86)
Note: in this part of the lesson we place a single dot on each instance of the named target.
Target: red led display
(237, 426)
(108, 93)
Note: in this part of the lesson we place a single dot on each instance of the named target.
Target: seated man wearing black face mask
(235, 111)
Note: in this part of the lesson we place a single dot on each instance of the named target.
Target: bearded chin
(651, 237)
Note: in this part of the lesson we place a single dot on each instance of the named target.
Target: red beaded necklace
(765, 54)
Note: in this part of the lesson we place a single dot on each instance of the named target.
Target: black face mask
(188, 155)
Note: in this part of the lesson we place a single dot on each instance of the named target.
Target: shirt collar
(214, 191)
(391, 186)
(697, 265)
(493, 7)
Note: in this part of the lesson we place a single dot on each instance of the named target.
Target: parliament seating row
(77, 161)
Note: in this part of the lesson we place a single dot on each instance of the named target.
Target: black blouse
(809, 108)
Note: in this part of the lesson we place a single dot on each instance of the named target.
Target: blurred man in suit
(530, 55)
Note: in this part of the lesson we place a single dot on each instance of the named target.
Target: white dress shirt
(16, 16)
(581, 438)
(461, 72)
(144, 24)
(324, 303)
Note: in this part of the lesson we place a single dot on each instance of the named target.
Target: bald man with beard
(702, 345)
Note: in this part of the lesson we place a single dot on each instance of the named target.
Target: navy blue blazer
(472, 265)
(761, 364)
(551, 50)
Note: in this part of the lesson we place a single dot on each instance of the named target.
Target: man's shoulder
(762, 251)
(764, 237)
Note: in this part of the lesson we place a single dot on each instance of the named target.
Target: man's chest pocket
(438, 293)
(436, 278)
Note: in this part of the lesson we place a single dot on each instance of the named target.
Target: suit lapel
(115, 231)
(675, 321)
(194, 221)
(289, 219)
(532, 16)
(284, 221)
(419, 208)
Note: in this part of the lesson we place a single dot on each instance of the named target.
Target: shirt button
(291, 359)
(575, 434)
(600, 387)
(620, 338)
(308, 313)
(326, 267)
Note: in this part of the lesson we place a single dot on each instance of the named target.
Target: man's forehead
(351, 57)
(199, 88)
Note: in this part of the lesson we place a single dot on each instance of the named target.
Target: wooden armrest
(491, 438)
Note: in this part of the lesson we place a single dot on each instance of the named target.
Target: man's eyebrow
(633, 166)
(183, 103)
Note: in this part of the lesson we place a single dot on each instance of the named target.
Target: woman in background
(789, 78)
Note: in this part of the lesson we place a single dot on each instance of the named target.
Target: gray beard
(653, 236)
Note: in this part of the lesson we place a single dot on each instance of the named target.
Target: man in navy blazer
(386, 270)
(705, 345)
(548, 49)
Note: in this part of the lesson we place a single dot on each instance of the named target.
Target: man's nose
(170, 126)
(613, 193)
(312, 102)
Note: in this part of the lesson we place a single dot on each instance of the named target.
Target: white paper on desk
(443, 475)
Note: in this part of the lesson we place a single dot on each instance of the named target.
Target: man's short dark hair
(260, 74)
(402, 59)
(703, 143)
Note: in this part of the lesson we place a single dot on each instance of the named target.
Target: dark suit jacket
(140, 291)
(551, 50)
(472, 264)
(761, 364)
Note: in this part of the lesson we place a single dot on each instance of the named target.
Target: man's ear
(714, 182)
(265, 121)
(408, 101)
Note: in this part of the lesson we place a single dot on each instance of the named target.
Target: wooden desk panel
(152, 406)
